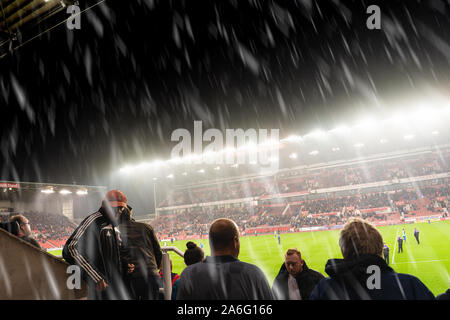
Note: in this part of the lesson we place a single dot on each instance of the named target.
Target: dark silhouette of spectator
(141, 257)
(222, 276)
(363, 274)
(193, 254)
(94, 246)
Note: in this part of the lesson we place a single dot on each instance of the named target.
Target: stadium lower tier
(379, 208)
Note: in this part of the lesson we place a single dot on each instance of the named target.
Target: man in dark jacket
(95, 247)
(295, 281)
(222, 276)
(141, 257)
(363, 274)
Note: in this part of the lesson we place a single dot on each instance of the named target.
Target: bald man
(222, 276)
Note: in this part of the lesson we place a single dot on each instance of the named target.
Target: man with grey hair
(222, 276)
(363, 274)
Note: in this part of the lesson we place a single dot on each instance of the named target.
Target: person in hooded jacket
(295, 281)
(141, 256)
(95, 247)
(363, 274)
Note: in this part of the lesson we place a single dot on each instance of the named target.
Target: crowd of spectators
(327, 210)
(301, 180)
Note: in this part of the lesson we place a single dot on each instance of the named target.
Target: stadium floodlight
(435, 132)
(273, 159)
(383, 141)
(229, 150)
(65, 191)
(82, 192)
(144, 165)
(318, 134)
(269, 143)
(170, 176)
(408, 136)
(367, 123)
(176, 160)
(208, 155)
(126, 169)
(48, 190)
(340, 130)
(334, 149)
(358, 145)
(249, 147)
(217, 168)
(424, 114)
(293, 156)
(396, 119)
(293, 138)
(314, 152)
(157, 163)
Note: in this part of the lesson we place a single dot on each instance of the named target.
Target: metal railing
(165, 267)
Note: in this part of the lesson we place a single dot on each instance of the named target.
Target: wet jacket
(306, 281)
(94, 246)
(349, 281)
(140, 247)
(223, 278)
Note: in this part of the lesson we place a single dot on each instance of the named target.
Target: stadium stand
(384, 190)
(297, 181)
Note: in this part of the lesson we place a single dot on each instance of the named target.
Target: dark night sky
(77, 104)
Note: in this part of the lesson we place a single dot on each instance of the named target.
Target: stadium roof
(45, 186)
(421, 125)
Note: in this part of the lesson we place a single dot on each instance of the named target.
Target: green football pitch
(429, 261)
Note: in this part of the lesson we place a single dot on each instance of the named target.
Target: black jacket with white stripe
(94, 246)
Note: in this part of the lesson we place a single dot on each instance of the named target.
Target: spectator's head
(24, 225)
(224, 238)
(360, 237)
(293, 261)
(193, 254)
(115, 204)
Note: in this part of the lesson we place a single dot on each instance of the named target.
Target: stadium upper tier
(293, 182)
(418, 199)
